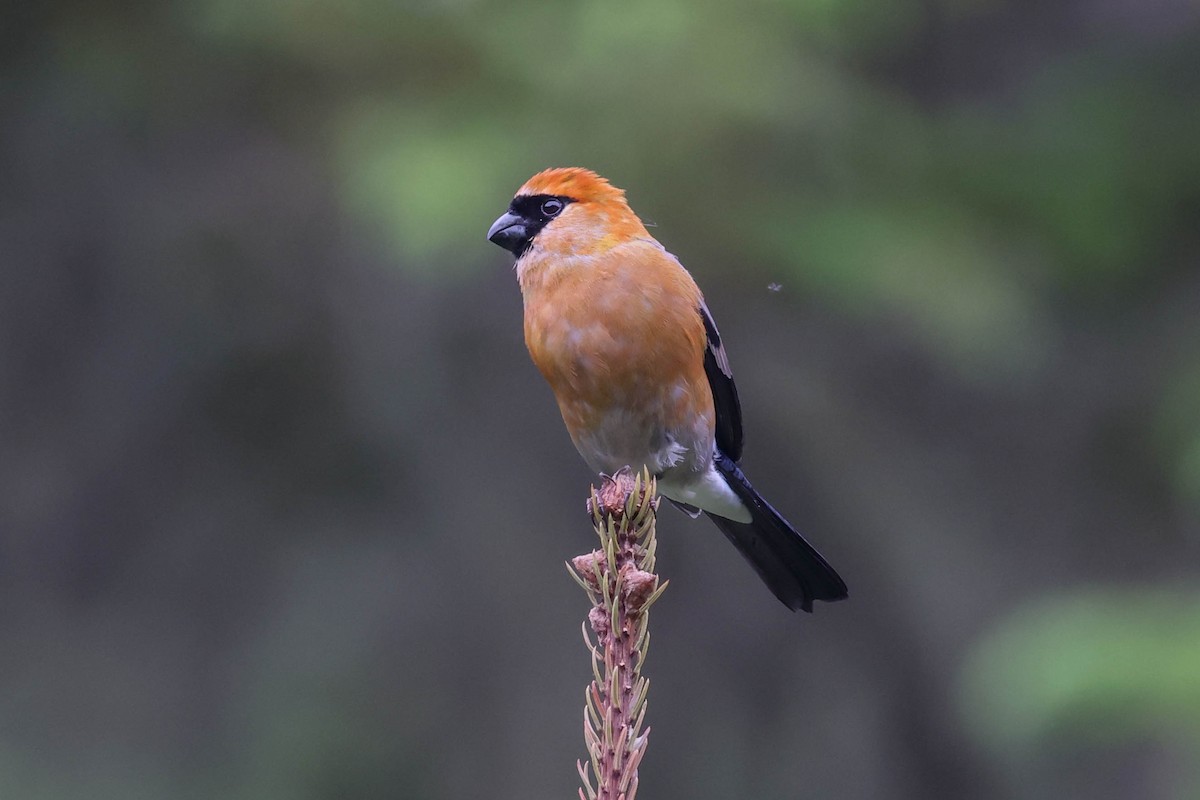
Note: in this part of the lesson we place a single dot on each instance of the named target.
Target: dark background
(284, 505)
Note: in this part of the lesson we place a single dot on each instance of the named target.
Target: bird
(622, 333)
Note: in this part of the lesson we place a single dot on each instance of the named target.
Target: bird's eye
(552, 207)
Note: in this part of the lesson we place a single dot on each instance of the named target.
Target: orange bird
(620, 331)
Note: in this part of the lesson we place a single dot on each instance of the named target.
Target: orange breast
(619, 336)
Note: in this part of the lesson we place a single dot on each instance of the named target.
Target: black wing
(725, 398)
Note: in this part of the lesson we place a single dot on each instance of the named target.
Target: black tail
(790, 566)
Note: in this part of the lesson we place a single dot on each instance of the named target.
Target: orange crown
(576, 183)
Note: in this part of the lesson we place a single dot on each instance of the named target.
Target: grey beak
(509, 232)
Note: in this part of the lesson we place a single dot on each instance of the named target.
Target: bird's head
(567, 210)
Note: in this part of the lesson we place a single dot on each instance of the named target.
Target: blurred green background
(284, 505)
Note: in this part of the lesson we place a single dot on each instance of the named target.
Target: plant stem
(620, 582)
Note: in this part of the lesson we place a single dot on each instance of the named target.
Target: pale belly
(619, 436)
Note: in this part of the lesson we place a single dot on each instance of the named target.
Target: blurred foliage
(270, 435)
(1104, 668)
(1178, 431)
